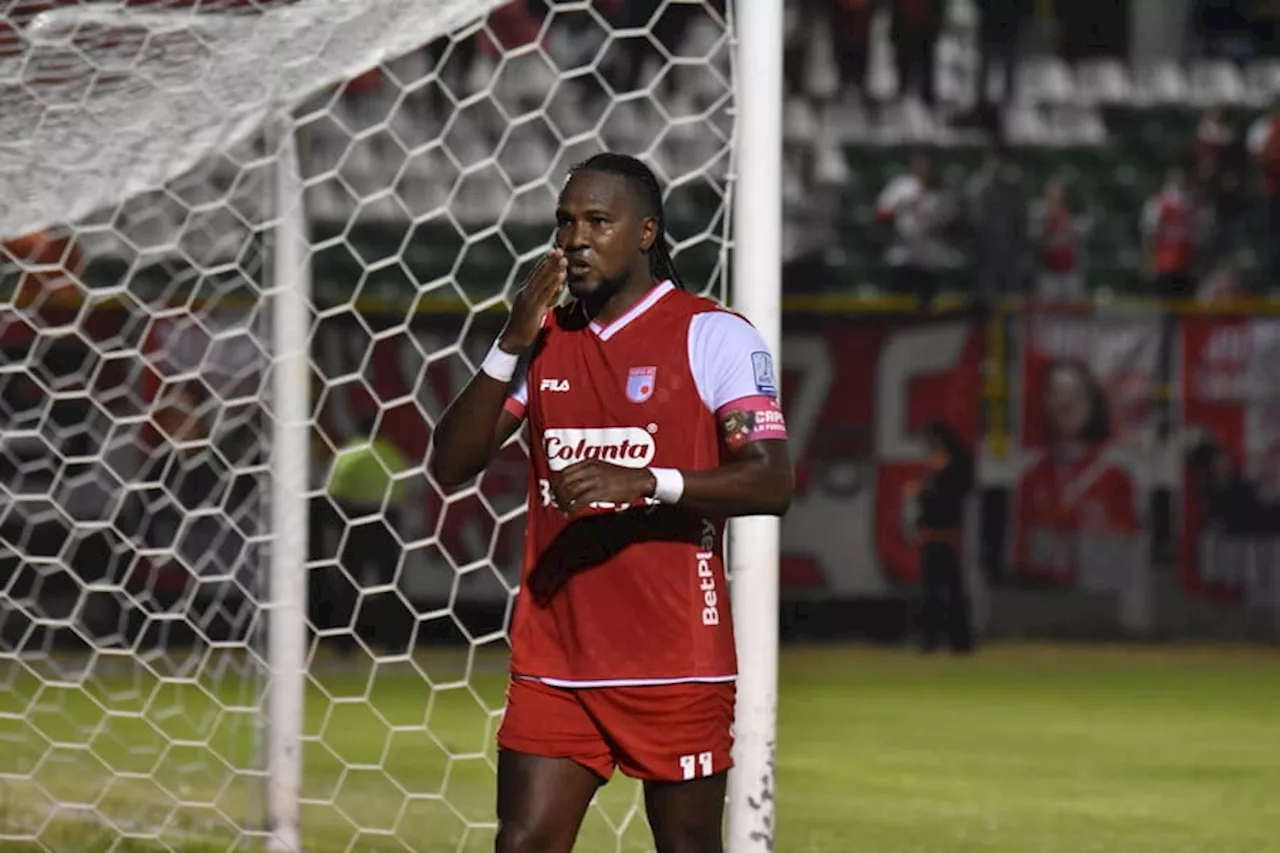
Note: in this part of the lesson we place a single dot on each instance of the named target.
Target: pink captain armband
(755, 418)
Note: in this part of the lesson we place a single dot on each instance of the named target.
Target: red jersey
(1059, 244)
(633, 595)
(1171, 221)
(1064, 506)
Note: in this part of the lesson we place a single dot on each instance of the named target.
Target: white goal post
(755, 543)
(190, 148)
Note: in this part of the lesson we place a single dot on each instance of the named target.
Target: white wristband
(500, 364)
(669, 485)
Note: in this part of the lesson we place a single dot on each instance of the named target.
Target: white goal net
(249, 250)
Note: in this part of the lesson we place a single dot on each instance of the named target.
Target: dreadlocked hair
(645, 185)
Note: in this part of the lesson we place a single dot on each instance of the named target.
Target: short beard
(594, 303)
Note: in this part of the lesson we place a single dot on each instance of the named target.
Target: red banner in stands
(1086, 383)
(1230, 495)
(857, 392)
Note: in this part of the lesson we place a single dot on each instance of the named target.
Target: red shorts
(662, 733)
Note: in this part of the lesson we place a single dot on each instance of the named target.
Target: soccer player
(653, 416)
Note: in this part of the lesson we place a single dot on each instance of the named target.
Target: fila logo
(630, 447)
(556, 385)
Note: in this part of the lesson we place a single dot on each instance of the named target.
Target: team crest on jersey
(640, 382)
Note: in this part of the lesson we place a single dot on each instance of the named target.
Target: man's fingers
(550, 265)
(551, 278)
(582, 502)
(560, 486)
(576, 470)
(574, 484)
(579, 475)
(544, 272)
(568, 503)
(575, 490)
(544, 266)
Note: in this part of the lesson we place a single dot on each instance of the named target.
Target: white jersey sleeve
(730, 360)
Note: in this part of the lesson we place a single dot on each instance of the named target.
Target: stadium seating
(1111, 130)
(1147, 120)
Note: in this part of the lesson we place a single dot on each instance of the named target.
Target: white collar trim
(650, 299)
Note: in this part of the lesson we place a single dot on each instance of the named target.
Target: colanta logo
(630, 447)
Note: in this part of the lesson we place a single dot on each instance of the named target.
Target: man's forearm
(464, 440)
(746, 487)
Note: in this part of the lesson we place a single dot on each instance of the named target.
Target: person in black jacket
(1231, 504)
(940, 511)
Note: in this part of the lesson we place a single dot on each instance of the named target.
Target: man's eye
(598, 220)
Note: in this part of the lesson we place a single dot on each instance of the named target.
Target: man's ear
(648, 233)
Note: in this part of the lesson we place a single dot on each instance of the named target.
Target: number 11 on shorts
(694, 766)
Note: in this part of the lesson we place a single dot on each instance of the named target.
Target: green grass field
(1022, 748)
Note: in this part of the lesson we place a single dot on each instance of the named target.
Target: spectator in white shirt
(919, 255)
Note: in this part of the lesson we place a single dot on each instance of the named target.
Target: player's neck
(605, 311)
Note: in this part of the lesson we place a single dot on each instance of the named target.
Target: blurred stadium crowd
(1012, 148)
(981, 147)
